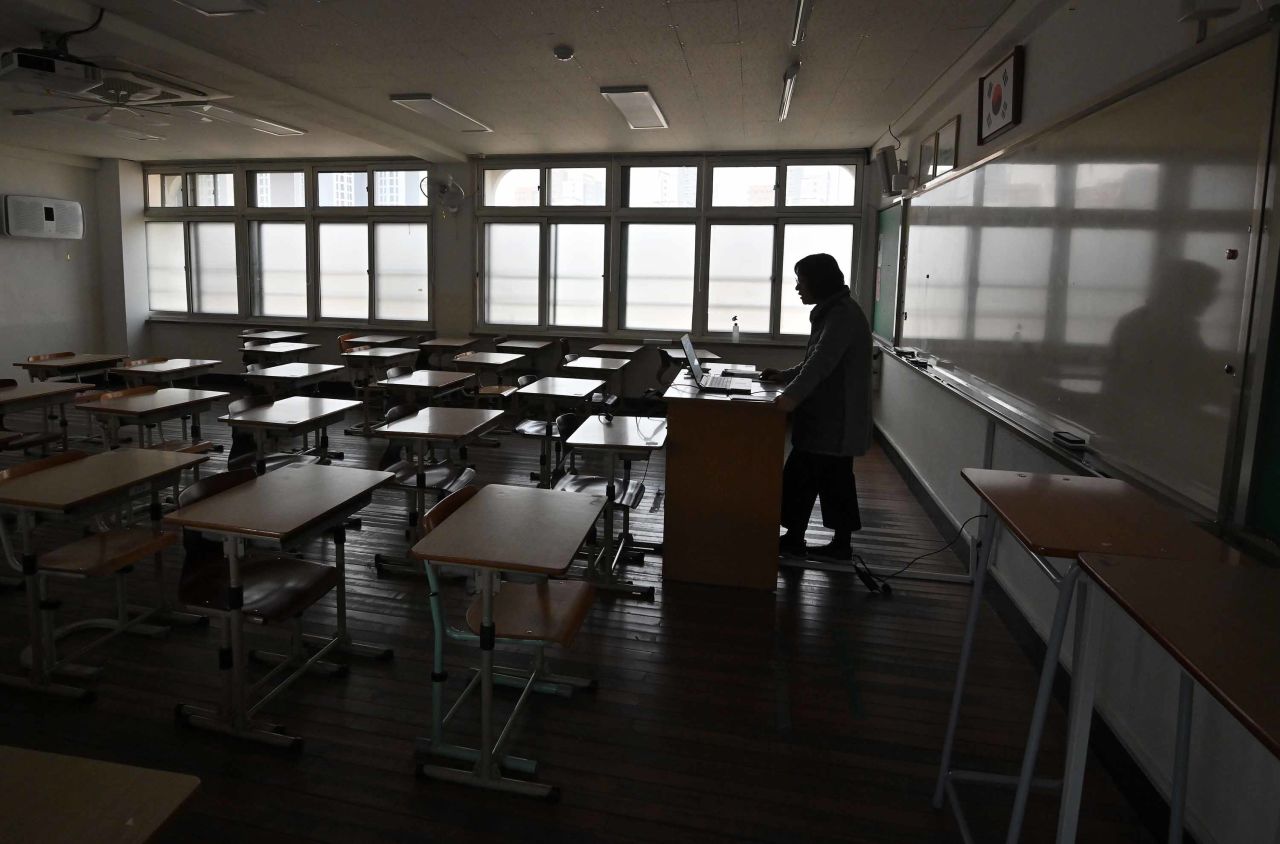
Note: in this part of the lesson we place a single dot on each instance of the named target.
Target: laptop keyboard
(719, 382)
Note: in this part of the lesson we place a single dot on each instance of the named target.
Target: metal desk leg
(548, 437)
(62, 422)
(1181, 759)
(340, 598)
(1079, 721)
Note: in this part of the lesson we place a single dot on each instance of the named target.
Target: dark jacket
(832, 386)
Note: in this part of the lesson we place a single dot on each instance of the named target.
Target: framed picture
(945, 155)
(927, 149)
(1000, 97)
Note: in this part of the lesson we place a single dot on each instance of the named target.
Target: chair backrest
(249, 344)
(570, 358)
(399, 371)
(400, 411)
(567, 423)
(32, 466)
(344, 341)
(248, 403)
(143, 361)
(214, 484)
(253, 367)
(130, 391)
(501, 338)
(446, 506)
(526, 380)
(565, 348)
(50, 356)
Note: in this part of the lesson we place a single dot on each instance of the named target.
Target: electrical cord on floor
(879, 584)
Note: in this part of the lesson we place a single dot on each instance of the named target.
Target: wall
(50, 298)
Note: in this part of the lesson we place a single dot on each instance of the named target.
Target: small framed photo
(1000, 97)
(928, 148)
(948, 138)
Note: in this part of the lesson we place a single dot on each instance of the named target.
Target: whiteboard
(1085, 276)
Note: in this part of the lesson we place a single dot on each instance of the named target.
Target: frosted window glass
(344, 270)
(512, 187)
(213, 268)
(662, 187)
(282, 269)
(740, 278)
(166, 267)
(743, 186)
(660, 261)
(214, 189)
(577, 274)
(400, 261)
(799, 240)
(511, 257)
(821, 184)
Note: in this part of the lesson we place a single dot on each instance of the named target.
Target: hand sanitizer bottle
(735, 329)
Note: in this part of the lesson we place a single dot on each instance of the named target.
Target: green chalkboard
(884, 312)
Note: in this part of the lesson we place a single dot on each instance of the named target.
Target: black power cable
(880, 583)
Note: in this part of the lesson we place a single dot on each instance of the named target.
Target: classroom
(640, 421)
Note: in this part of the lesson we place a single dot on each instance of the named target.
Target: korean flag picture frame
(1000, 97)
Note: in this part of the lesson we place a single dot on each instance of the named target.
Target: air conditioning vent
(35, 216)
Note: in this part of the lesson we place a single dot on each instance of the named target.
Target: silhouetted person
(829, 397)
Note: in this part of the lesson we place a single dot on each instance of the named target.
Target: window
(213, 268)
(343, 270)
(743, 186)
(513, 188)
(213, 189)
(821, 185)
(165, 191)
(512, 256)
(279, 190)
(342, 190)
(578, 185)
(662, 187)
(166, 267)
(799, 240)
(577, 274)
(280, 251)
(660, 275)
(400, 188)
(740, 278)
(400, 252)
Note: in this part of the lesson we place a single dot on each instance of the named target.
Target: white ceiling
(328, 66)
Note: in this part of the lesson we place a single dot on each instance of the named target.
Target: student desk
(1058, 516)
(677, 355)
(607, 368)
(427, 383)
(497, 362)
(79, 489)
(164, 373)
(517, 529)
(445, 345)
(56, 799)
(724, 486)
(630, 438)
(367, 366)
(274, 336)
(379, 340)
(610, 349)
(277, 352)
(39, 395)
(290, 507)
(76, 366)
(291, 417)
(153, 409)
(291, 377)
(551, 390)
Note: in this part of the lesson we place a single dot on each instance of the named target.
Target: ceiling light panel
(258, 124)
(637, 105)
(439, 111)
(224, 8)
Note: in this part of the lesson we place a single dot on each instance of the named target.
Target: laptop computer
(711, 383)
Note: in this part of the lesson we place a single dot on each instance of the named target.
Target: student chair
(440, 477)
(627, 494)
(244, 445)
(111, 427)
(538, 614)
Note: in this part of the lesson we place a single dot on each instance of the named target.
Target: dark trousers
(808, 477)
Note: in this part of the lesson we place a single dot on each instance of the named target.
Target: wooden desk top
(291, 412)
(625, 434)
(294, 371)
(562, 388)
(60, 799)
(378, 339)
(514, 528)
(597, 364)
(449, 343)
(523, 345)
(280, 504)
(445, 424)
(1216, 615)
(74, 362)
(72, 485)
(173, 366)
(683, 389)
(678, 354)
(280, 348)
(274, 335)
(166, 399)
(428, 379)
(616, 348)
(496, 359)
(40, 390)
(380, 353)
(1065, 515)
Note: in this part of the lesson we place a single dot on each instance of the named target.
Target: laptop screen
(695, 369)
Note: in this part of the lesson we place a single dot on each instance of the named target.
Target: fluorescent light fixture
(258, 124)
(66, 119)
(439, 111)
(637, 106)
(803, 8)
(788, 88)
(224, 8)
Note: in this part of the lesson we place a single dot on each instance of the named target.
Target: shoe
(789, 546)
(832, 551)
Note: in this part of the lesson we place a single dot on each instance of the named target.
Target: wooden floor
(812, 714)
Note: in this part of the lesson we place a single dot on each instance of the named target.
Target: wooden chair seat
(184, 447)
(447, 477)
(101, 554)
(630, 497)
(536, 428)
(496, 391)
(25, 441)
(276, 587)
(549, 611)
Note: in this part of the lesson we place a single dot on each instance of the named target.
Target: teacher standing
(829, 397)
